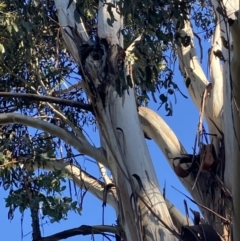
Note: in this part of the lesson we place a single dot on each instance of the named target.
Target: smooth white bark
(68, 24)
(178, 218)
(190, 66)
(124, 118)
(105, 31)
(216, 74)
(81, 179)
(231, 125)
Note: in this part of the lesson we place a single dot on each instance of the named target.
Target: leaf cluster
(44, 191)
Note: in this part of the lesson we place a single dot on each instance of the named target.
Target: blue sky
(183, 122)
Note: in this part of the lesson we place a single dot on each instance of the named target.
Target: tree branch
(49, 99)
(197, 82)
(230, 98)
(80, 177)
(67, 21)
(159, 131)
(216, 78)
(83, 146)
(190, 66)
(96, 187)
(167, 141)
(178, 218)
(111, 33)
(84, 180)
(82, 230)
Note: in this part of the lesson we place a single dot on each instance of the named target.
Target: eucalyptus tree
(116, 54)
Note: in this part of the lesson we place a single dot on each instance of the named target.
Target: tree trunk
(118, 121)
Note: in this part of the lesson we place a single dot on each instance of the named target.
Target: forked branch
(156, 128)
(81, 178)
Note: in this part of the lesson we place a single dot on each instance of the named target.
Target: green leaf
(2, 49)
(174, 85)
(182, 94)
(15, 27)
(52, 220)
(74, 205)
(148, 71)
(63, 188)
(166, 106)
(175, 98)
(79, 211)
(170, 113)
(9, 28)
(67, 199)
(21, 209)
(51, 153)
(163, 98)
(169, 108)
